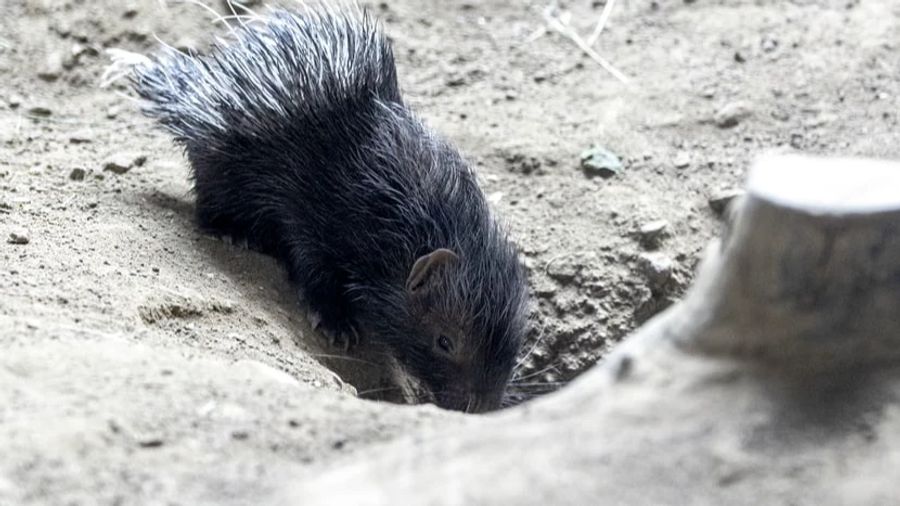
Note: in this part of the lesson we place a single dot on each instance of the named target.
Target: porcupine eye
(445, 344)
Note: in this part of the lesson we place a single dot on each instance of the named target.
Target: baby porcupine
(300, 144)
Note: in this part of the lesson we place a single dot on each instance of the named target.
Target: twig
(601, 23)
(567, 31)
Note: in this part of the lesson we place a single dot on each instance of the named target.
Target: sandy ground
(133, 343)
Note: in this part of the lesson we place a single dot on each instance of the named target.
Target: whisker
(342, 357)
(537, 341)
(536, 373)
(551, 384)
(376, 390)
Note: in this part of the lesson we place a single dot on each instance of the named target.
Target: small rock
(732, 114)
(739, 57)
(651, 233)
(544, 288)
(186, 44)
(656, 268)
(117, 164)
(456, 81)
(74, 56)
(719, 201)
(81, 136)
(112, 112)
(599, 161)
(150, 442)
(781, 115)
(120, 163)
(53, 67)
(682, 160)
(820, 120)
(77, 50)
(563, 268)
(523, 164)
(18, 236)
(41, 110)
(14, 101)
(77, 174)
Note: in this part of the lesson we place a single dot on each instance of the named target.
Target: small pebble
(562, 268)
(656, 268)
(77, 174)
(732, 114)
(14, 101)
(544, 288)
(599, 161)
(41, 110)
(75, 53)
(682, 160)
(150, 443)
(769, 44)
(719, 201)
(53, 67)
(120, 163)
(651, 233)
(81, 136)
(186, 44)
(18, 236)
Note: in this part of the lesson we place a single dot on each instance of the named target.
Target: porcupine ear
(426, 266)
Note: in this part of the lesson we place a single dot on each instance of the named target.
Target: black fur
(301, 144)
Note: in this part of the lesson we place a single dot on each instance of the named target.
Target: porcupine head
(300, 143)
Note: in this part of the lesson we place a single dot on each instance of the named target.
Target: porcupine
(301, 144)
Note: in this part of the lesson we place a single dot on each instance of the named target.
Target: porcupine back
(290, 90)
(300, 143)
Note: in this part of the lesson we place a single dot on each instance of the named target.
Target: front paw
(341, 334)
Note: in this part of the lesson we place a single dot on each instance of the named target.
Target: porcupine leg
(226, 215)
(323, 292)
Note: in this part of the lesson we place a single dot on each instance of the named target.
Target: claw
(315, 319)
(341, 335)
(354, 338)
(342, 339)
